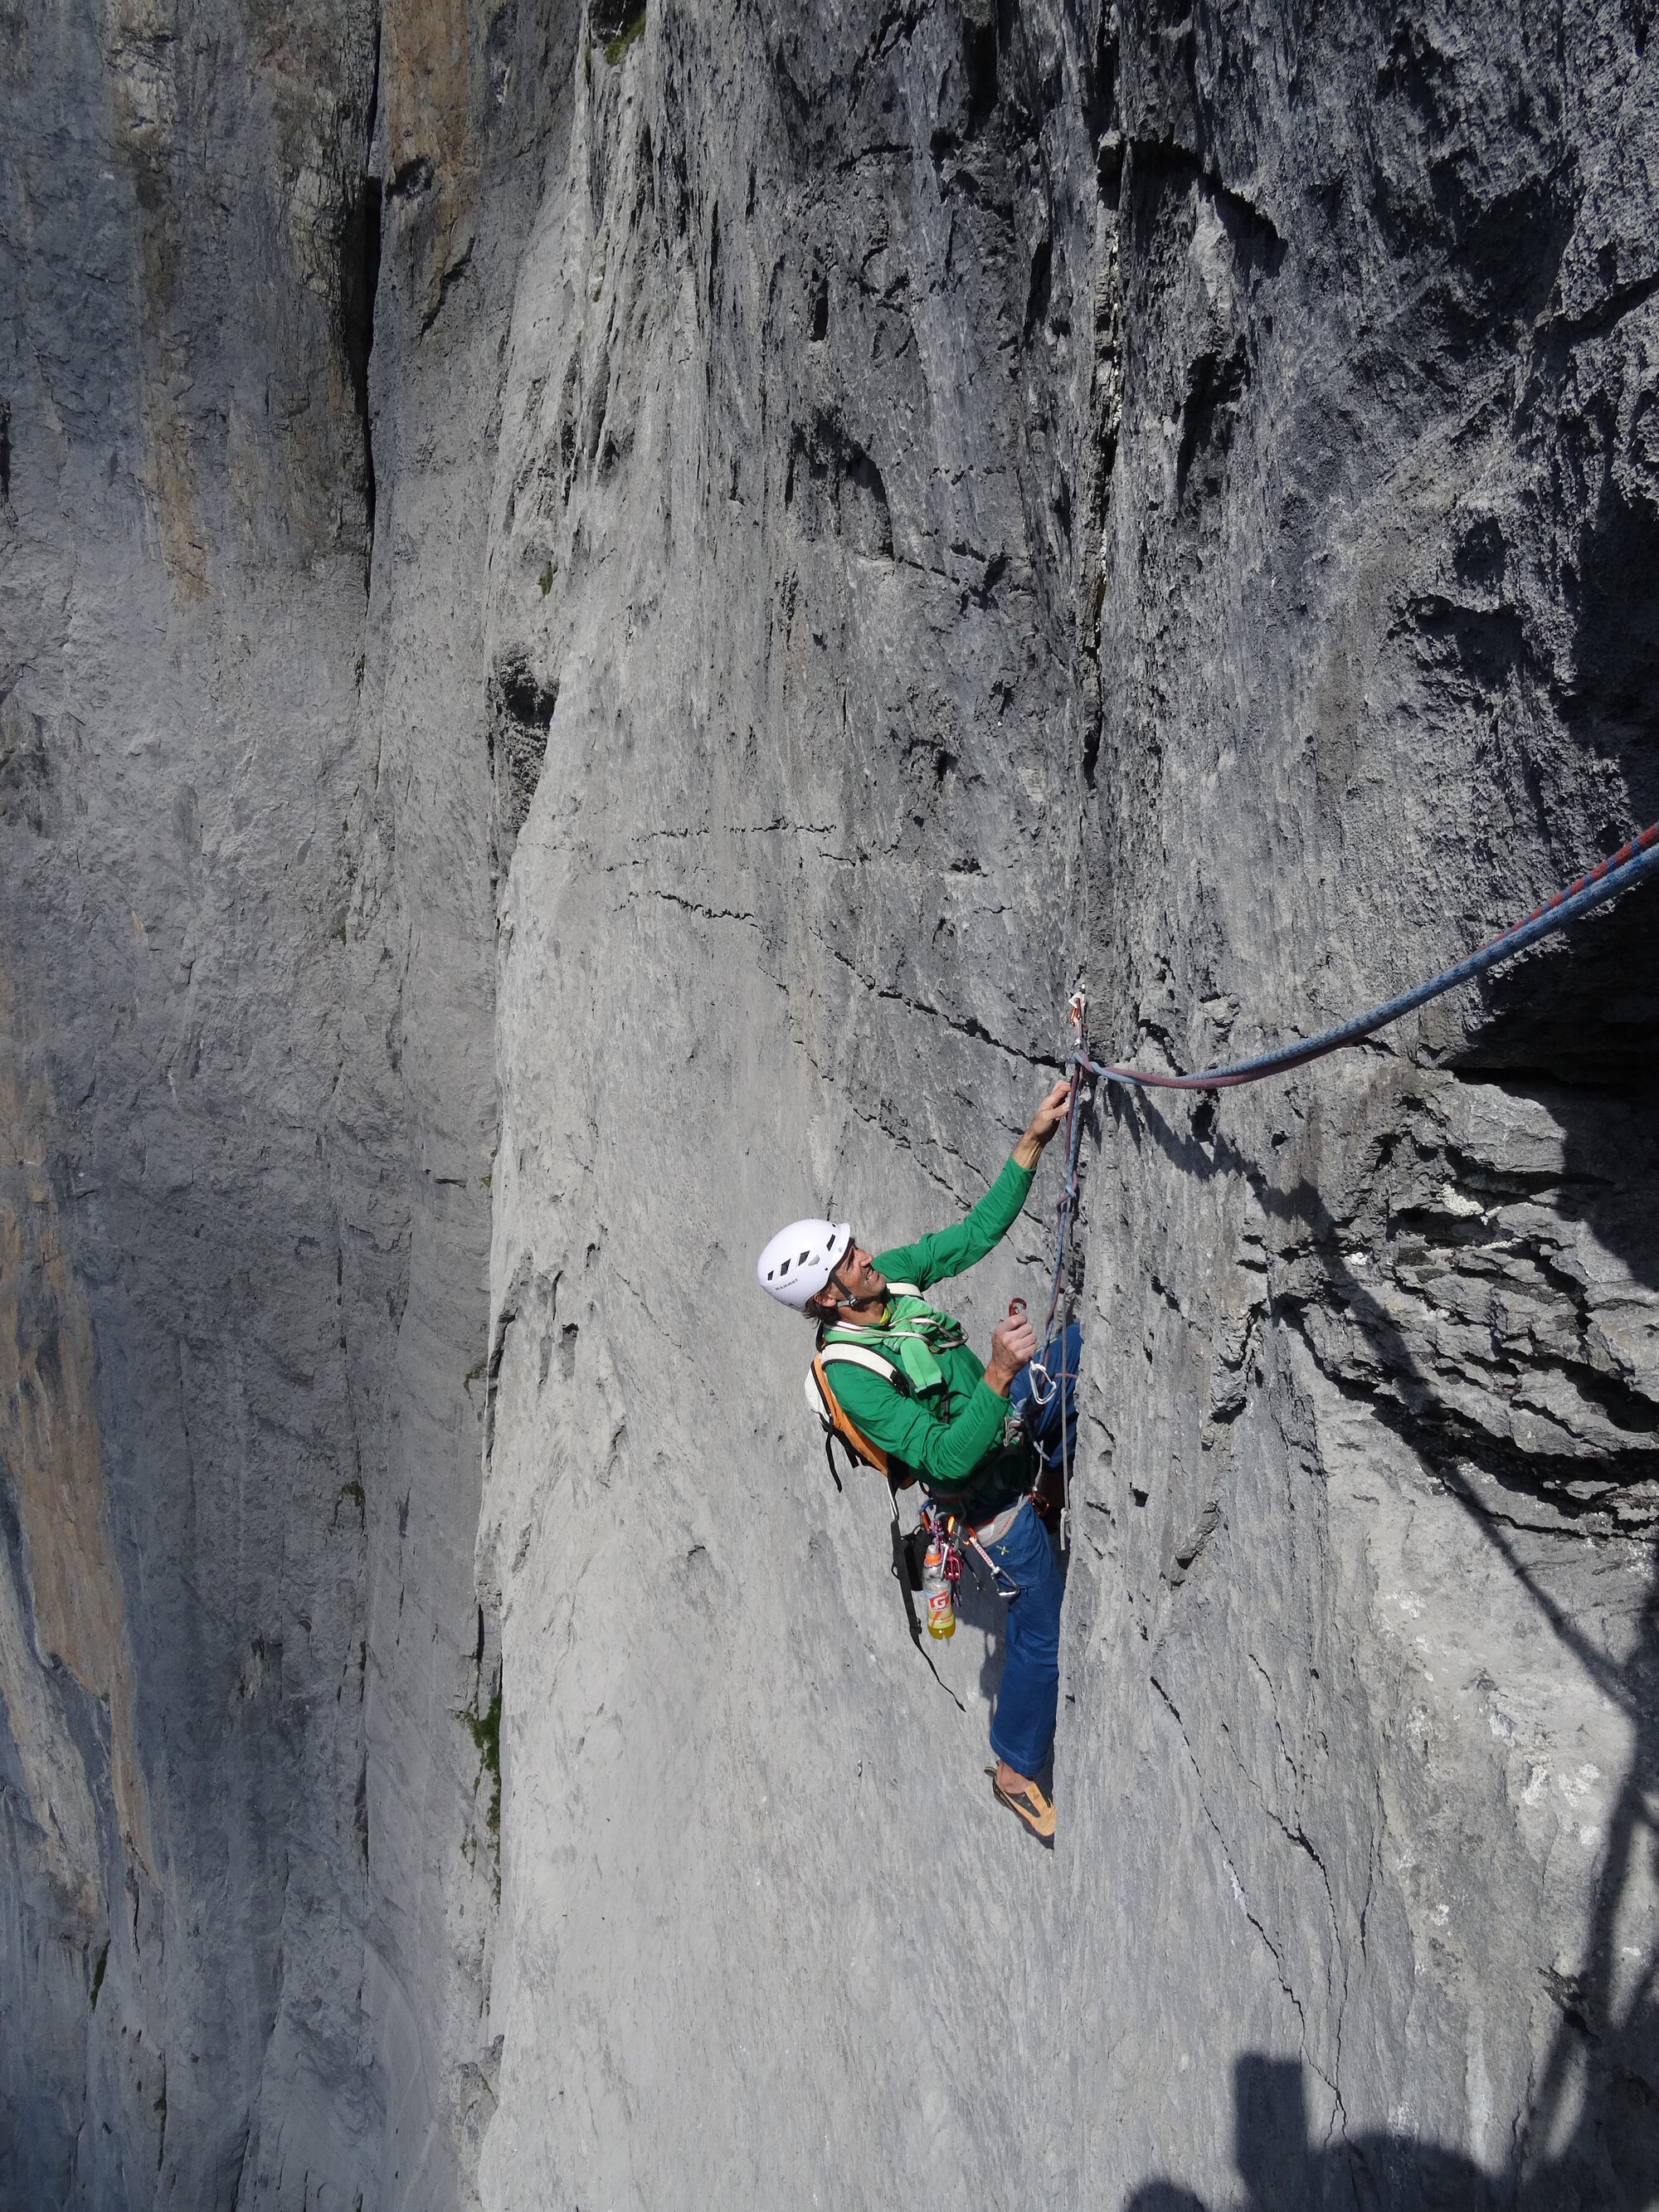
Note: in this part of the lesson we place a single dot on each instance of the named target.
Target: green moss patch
(485, 1731)
(632, 26)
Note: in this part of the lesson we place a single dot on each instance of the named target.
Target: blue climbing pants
(1025, 1719)
(1023, 1726)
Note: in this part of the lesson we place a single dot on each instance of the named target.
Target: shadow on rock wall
(1283, 2172)
(1608, 2158)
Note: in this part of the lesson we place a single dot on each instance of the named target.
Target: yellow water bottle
(936, 1588)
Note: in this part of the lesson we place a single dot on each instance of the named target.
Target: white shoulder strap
(856, 1355)
(845, 1355)
(906, 1289)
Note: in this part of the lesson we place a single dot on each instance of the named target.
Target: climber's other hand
(1013, 1345)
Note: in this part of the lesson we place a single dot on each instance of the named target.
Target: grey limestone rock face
(604, 610)
(1263, 365)
(1365, 1602)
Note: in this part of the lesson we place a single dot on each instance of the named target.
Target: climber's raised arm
(952, 1251)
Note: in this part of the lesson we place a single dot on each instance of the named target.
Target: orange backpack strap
(821, 1396)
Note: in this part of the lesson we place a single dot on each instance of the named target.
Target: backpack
(822, 1401)
(860, 1452)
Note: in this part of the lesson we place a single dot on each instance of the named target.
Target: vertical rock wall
(246, 982)
(784, 541)
(1288, 381)
(783, 582)
(1361, 1618)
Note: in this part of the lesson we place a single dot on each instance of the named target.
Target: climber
(966, 1431)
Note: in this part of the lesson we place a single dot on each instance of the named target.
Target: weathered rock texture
(246, 1109)
(1365, 1618)
(814, 532)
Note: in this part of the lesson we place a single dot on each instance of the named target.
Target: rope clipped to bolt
(1607, 880)
(1044, 1384)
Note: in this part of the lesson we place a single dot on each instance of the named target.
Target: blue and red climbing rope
(1605, 881)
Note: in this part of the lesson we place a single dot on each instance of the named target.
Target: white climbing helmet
(800, 1260)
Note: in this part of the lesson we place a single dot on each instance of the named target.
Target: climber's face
(857, 1278)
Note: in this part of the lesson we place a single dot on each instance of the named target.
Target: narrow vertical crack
(1272, 1949)
(360, 278)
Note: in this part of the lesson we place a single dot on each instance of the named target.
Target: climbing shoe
(1029, 1803)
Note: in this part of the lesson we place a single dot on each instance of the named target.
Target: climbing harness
(941, 1540)
(945, 1540)
(930, 1560)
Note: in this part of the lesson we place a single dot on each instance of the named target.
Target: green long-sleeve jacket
(953, 1425)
